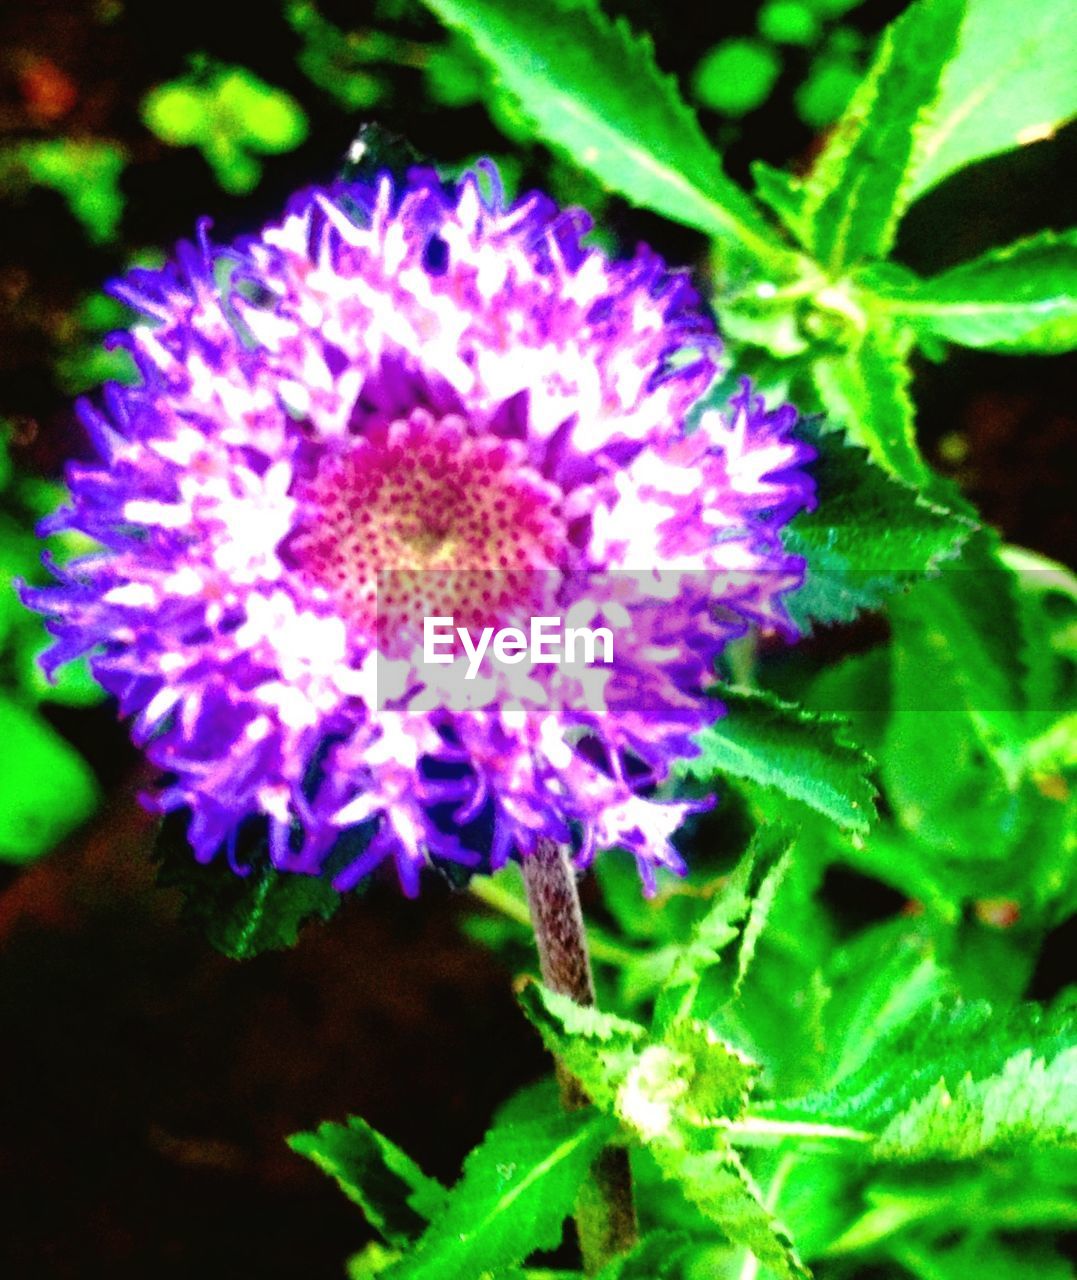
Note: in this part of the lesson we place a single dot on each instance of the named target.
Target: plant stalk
(605, 1210)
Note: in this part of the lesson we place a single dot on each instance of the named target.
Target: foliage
(259, 909)
(46, 788)
(230, 115)
(819, 1048)
(794, 1091)
(85, 173)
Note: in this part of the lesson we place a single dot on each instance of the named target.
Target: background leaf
(1011, 82)
(241, 916)
(961, 1081)
(950, 758)
(594, 91)
(778, 744)
(857, 187)
(1020, 299)
(869, 535)
(46, 788)
(397, 1198)
(689, 958)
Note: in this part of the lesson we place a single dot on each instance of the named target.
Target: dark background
(146, 1083)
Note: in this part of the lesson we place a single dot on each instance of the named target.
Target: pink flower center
(421, 519)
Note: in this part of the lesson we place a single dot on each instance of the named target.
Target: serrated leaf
(960, 1082)
(717, 1183)
(46, 788)
(871, 532)
(758, 914)
(784, 195)
(595, 93)
(1047, 615)
(659, 1256)
(990, 1199)
(951, 756)
(517, 1188)
(780, 745)
(1010, 83)
(1029, 1102)
(241, 916)
(674, 1093)
(865, 389)
(716, 1078)
(695, 956)
(880, 981)
(1021, 299)
(597, 1048)
(398, 1199)
(657, 1086)
(858, 185)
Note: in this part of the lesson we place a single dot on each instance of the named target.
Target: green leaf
(1020, 299)
(951, 758)
(987, 1257)
(675, 1094)
(657, 1087)
(910, 1212)
(659, 1256)
(784, 195)
(880, 981)
(714, 1080)
(597, 1048)
(1047, 612)
(827, 90)
(693, 958)
(869, 535)
(336, 60)
(859, 184)
(397, 1198)
(227, 112)
(865, 389)
(374, 1260)
(241, 916)
(265, 118)
(780, 745)
(595, 93)
(46, 788)
(178, 113)
(517, 1188)
(86, 173)
(73, 684)
(717, 1183)
(20, 558)
(737, 76)
(788, 22)
(1010, 83)
(758, 914)
(1029, 1102)
(961, 1082)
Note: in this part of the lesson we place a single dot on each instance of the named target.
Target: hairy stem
(605, 1212)
(492, 891)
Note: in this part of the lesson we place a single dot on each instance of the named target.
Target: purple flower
(418, 379)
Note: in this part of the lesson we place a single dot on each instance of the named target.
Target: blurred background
(146, 1082)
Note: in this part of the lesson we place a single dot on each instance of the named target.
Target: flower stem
(605, 1212)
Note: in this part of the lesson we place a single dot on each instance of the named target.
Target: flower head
(398, 398)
